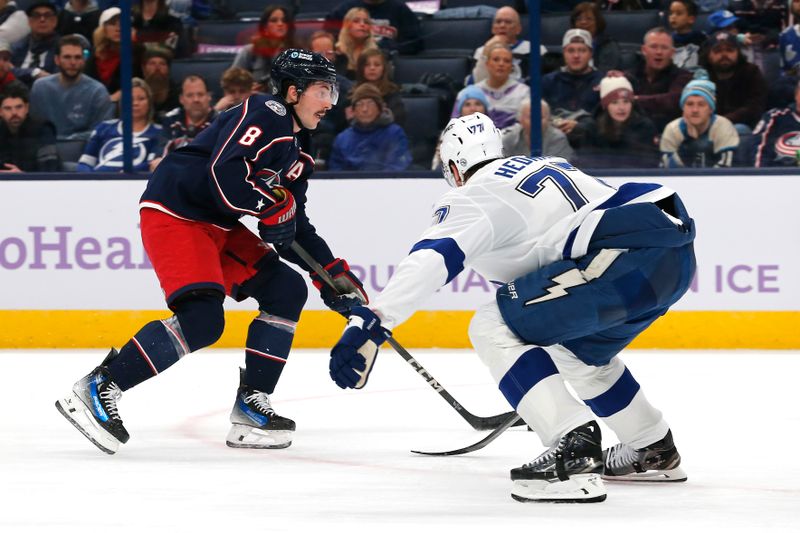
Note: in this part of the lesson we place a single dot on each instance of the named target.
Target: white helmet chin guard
(467, 141)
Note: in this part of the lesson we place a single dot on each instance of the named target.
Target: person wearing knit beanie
(614, 88)
(471, 96)
(704, 88)
(700, 138)
(367, 90)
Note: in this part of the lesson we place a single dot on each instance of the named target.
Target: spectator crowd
(702, 89)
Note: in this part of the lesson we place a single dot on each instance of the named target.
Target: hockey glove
(276, 224)
(349, 290)
(354, 355)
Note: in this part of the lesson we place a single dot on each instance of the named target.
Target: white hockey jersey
(512, 217)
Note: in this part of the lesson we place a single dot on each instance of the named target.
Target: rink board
(73, 272)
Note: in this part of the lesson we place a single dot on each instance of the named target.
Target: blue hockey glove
(353, 357)
(276, 224)
(349, 290)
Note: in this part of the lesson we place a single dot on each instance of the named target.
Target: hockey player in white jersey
(583, 268)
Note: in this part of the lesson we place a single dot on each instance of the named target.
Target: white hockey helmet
(467, 141)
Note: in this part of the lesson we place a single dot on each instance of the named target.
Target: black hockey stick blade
(510, 421)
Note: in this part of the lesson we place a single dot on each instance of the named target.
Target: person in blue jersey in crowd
(103, 150)
(582, 268)
(251, 161)
(373, 141)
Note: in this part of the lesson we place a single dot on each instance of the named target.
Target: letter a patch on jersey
(575, 277)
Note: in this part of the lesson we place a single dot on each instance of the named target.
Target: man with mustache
(250, 161)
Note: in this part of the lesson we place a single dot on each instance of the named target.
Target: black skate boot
(659, 461)
(569, 472)
(255, 423)
(92, 408)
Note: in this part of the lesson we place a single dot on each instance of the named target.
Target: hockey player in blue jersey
(249, 161)
(583, 268)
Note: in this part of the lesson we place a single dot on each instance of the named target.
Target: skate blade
(673, 475)
(78, 415)
(241, 436)
(579, 488)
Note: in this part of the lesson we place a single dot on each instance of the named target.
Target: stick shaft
(477, 422)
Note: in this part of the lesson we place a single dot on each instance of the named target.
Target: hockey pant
(195, 279)
(568, 321)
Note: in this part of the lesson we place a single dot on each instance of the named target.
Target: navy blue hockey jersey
(227, 172)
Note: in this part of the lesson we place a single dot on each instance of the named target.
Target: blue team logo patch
(276, 107)
(440, 214)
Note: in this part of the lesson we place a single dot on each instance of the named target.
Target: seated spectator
(79, 16)
(355, 38)
(741, 88)
(13, 23)
(506, 28)
(504, 94)
(373, 141)
(395, 26)
(619, 136)
(154, 25)
(605, 50)
(104, 65)
(156, 63)
(373, 67)
(26, 145)
(777, 136)
(657, 82)
(335, 120)
(72, 101)
(517, 137)
(103, 151)
(195, 113)
(470, 100)
(237, 85)
(687, 40)
(760, 20)
(6, 67)
(789, 42)
(700, 138)
(572, 91)
(34, 56)
(275, 34)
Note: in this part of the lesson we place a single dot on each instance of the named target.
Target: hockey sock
(269, 340)
(156, 347)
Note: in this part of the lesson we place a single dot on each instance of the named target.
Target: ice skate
(569, 472)
(92, 408)
(659, 461)
(255, 423)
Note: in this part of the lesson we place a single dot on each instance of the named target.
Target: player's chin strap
(292, 111)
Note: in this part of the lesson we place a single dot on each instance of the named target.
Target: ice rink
(733, 414)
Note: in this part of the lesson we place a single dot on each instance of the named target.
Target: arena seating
(210, 69)
(454, 36)
(69, 152)
(224, 35)
(422, 128)
(409, 69)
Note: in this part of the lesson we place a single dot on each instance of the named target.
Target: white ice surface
(734, 416)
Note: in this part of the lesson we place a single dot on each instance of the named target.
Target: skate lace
(260, 400)
(549, 455)
(110, 396)
(621, 455)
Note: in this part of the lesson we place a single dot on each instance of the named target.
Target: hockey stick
(510, 421)
(477, 422)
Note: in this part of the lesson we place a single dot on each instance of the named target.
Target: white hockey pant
(548, 407)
